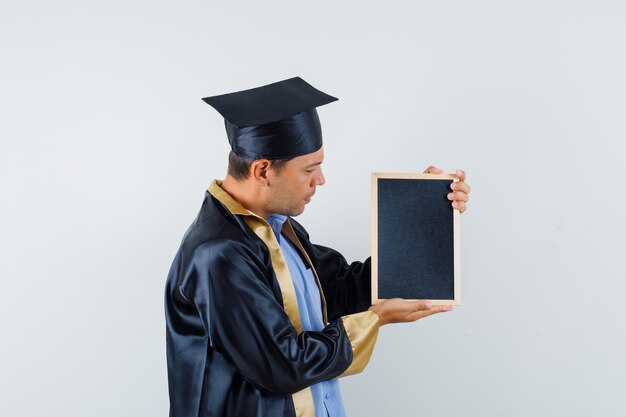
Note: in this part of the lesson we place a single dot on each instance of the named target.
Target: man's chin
(296, 212)
(293, 212)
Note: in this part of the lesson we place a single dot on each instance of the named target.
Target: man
(260, 321)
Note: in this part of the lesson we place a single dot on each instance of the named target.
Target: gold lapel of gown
(302, 400)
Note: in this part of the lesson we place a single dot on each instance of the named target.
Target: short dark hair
(239, 166)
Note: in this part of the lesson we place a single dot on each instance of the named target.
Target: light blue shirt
(326, 395)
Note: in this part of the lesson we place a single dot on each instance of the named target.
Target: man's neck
(245, 194)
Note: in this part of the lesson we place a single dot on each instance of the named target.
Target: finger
(418, 305)
(424, 306)
(425, 313)
(433, 170)
(458, 196)
(460, 174)
(461, 186)
(459, 205)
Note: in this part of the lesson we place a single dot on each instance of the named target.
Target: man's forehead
(311, 159)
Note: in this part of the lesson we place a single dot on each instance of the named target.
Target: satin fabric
(326, 395)
(231, 349)
(297, 135)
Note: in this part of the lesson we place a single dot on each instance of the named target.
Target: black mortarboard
(275, 121)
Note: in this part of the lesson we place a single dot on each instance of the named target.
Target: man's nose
(321, 180)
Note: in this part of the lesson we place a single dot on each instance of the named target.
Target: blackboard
(415, 238)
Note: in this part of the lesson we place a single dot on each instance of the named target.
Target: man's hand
(460, 189)
(398, 310)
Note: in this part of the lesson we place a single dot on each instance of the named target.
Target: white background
(106, 150)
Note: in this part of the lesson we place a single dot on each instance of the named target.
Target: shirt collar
(276, 221)
(216, 190)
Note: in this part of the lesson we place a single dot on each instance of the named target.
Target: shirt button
(328, 396)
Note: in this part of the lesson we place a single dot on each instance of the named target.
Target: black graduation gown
(234, 341)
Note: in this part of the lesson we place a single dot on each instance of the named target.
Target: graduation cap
(275, 121)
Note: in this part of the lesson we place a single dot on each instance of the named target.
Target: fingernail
(450, 196)
(428, 305)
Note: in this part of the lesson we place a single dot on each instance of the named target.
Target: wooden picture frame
(415, 238)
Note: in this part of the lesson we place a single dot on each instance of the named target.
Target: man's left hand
(460, 189)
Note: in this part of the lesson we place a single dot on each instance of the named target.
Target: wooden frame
(455, 226)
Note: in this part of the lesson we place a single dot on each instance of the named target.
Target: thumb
(419, 305)
(433, 170)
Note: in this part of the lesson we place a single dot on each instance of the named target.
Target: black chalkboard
(415, 241)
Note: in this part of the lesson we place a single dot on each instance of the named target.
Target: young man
(260, 321)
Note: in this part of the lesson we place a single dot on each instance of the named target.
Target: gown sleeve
(248, 324)
(347, 290)
(347, 286)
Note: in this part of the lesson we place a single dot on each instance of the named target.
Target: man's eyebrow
(314, 164)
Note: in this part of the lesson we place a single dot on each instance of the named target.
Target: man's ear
(259, 170)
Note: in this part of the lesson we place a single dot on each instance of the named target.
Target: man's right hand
(398, 310)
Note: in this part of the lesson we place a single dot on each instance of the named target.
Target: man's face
(294, 185)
